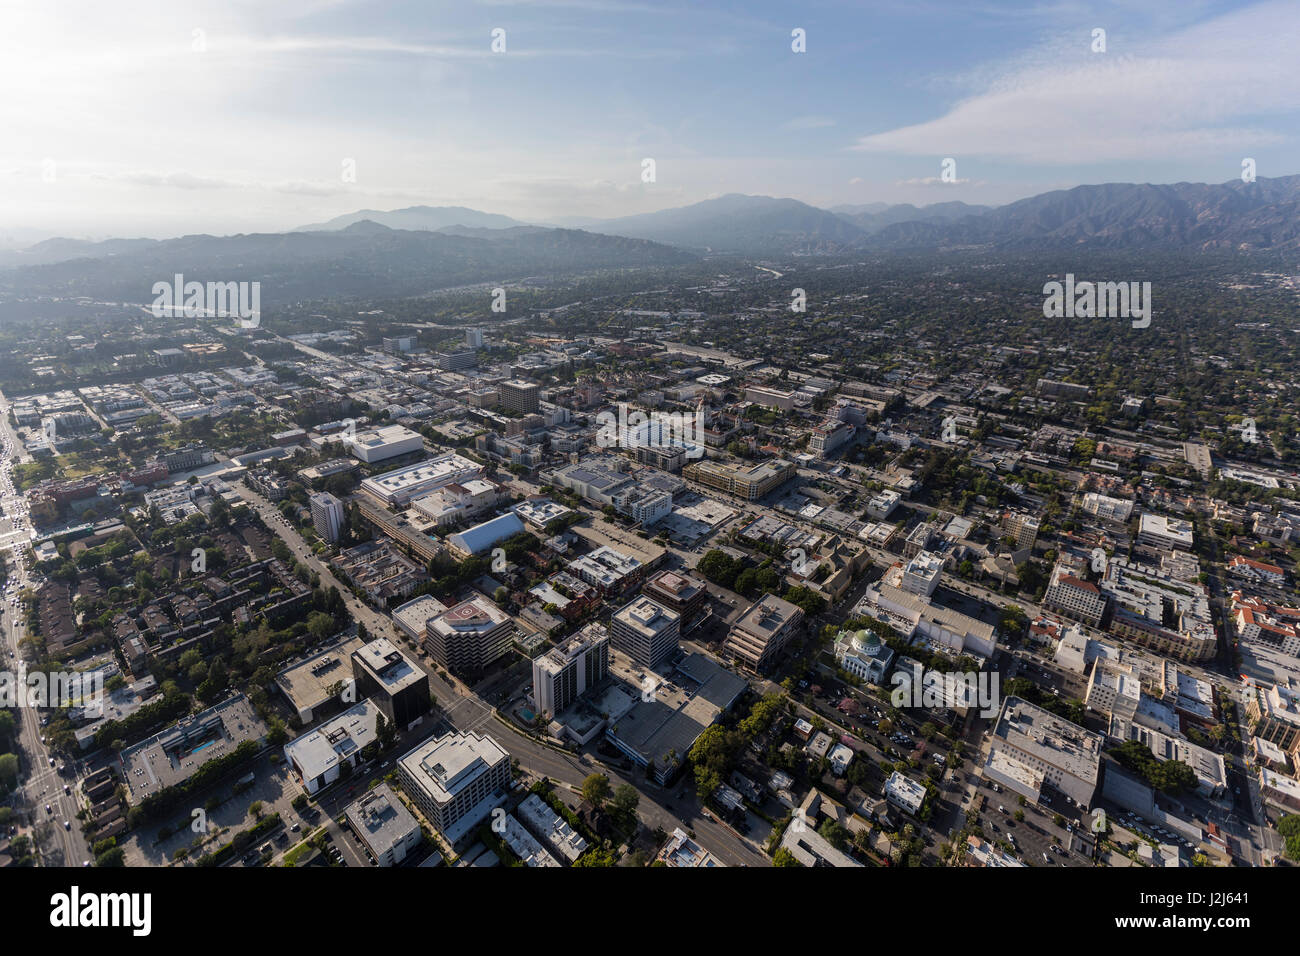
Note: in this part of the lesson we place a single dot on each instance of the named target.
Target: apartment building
(1074, 598)
(747, 481)
(327, 516)
(1021, 528)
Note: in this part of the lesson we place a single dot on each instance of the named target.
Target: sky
(171, 117)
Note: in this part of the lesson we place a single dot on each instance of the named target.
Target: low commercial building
(318, 756)
(1161, 531)
(413, 617)
(398, 488)
(482, 537)
(315, 687)
(658, 733)
(1031, 746)
(384, 826)
(380, 444)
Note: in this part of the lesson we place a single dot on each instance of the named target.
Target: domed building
(864, 655)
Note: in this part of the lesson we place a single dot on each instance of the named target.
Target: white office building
(456, 781)
(382, 443)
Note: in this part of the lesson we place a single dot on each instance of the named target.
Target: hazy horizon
(226, 118)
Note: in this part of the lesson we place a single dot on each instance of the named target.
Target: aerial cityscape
(846, 518)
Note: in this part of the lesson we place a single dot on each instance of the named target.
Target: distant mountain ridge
(364, 259)
(1261, 215)
(352, 254)
(431, 218)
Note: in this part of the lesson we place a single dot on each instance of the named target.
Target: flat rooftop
(334, 741)
(684, 704)
(170, 757)
(1051, 739)
(307, 683)
(389, 665)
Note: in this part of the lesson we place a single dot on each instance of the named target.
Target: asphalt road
(464, 710)
(43, 784)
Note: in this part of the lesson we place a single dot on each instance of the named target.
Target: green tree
(596, 789)
(783, 857)
(624, 804)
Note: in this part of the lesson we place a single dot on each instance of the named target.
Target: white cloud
(1199, 91)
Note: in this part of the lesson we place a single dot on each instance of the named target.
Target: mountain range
(421, 248)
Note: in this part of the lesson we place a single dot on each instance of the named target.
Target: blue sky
(122, 119)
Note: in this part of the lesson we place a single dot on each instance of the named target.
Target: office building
(456, 781)
(747, 481)
(645, 631)
(384, 826)
(762, 632)
(683, 593)
(470, 636)
(318, 755)
(921, 574)
(567, 671)
(520, 396)
(388, 678)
